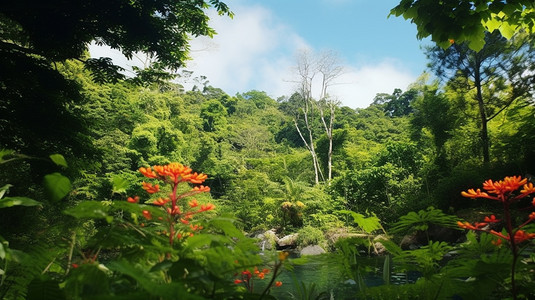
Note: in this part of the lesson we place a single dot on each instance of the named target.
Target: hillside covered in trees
(75, 133)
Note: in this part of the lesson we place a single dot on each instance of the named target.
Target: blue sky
(256, 50)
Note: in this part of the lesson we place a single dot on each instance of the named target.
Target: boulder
(267, 240)
(289, 241)
(312, 250)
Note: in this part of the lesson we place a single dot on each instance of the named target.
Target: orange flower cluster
(247, 278)
(174, 174)
(504, 191)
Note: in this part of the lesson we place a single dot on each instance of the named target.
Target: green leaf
(17, 201)
(2, 251)
(477, 39)
(59, 160)
(368, 224)
(4, 152)
(57, 186)
(119, 184)
(4, 189)
(507, 30)
(90, 209)
(493, 24)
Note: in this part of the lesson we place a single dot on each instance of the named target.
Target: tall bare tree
(329, 68)
(322, 69)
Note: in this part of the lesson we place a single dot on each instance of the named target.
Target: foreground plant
(247, 278)
(179, 214)
(508, 191)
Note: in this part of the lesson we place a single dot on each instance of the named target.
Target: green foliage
(304, 291)
(420, 221)
(367, 224)
(466, 21)
(309, 235)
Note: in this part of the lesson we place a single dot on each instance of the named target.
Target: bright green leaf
(119, 184)
(492, 24)
(59, 160)
(507, 30)
(17, 201)
(57, 186)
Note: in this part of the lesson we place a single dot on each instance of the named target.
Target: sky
(256, 50)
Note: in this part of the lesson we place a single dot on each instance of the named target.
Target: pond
(326, 273)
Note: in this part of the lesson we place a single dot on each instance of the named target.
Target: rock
(271, 235)
(378, 247)
(312, 250)
(289, 241)
(267, 240)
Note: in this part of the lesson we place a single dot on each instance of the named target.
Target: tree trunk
(484, 134)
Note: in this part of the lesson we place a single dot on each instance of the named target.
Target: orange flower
(198, 178)
(528, 189)
(160, 201)
(532, 216)
(491, 219)
(147, 172)
(474, 194)
(283, 255)
(176, 172)
(278, 283)
(133, 200)
(466, 225)
(201, 188)
(497, 242)
(207, 207)
(147, 214)
(501, 187)
(521, 236)
(238, 281)
(151, 189)
(193, 203)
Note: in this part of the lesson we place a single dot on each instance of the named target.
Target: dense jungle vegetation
(76, 222)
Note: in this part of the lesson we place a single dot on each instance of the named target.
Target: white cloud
(256, 51)
(359, 86)
(251, 51)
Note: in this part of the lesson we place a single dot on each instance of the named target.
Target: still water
(327, 273)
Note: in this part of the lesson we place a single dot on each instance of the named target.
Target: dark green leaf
(57, 186)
